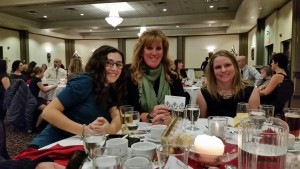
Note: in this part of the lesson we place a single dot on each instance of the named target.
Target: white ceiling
(193, 17)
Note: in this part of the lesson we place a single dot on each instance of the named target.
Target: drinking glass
(192, 113)
(292, 118)
(217, 126)
(132, 119)
(257, 112)
(137, 162)
(106, 157)
(94, 140)
(262, 145)
(172, 156)
(124, 109)
(269, 109)
(242, 110)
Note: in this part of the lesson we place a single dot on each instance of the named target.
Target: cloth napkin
(60, 154)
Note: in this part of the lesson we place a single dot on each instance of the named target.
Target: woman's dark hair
(176, 63)
(282, 60)
(96, 68)
(3, 67)
(31, 65)
(15, 65)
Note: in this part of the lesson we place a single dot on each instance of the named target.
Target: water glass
(217, 126)
(172, 156)
(106, 157)
(292, 118)
(94, 140)
(124, 109)
(261, 144)
(137, 162)
(132, 119)
(257, 112)
(269, 109)
(192, 114)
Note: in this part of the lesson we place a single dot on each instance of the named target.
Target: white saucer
(296, 148)
(148, 138)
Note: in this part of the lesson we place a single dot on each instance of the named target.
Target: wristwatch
(149, 118)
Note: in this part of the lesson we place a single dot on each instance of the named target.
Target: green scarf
(147, 94)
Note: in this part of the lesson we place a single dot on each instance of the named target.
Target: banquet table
(292, 157)
(52, 93)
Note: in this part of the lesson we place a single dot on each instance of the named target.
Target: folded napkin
(60, 154)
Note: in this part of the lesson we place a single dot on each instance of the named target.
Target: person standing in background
(249, 72)
(56, 72)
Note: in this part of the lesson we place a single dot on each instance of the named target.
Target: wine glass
(94, 140)
(242, 110)
(132, 119)
(192, 113)
(124, 109)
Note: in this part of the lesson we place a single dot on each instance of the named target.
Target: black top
(224, 107)
(33, 87)
(133, 93)
(203, 65)
(183, 73)
(12, 77)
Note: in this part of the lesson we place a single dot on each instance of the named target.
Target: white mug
(120, 143)
(156, 131)
(143, 148)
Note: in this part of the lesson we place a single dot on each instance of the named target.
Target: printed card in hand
(175, 102)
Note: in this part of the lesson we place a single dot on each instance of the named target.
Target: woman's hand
(98, 124)
(161, 119)
(161, 114)
(49, 165)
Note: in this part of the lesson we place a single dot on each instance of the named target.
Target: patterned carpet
(17, 140)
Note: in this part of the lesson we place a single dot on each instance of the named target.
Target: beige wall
(40, 45)
(10, 42)
(85, 48)
(196, 47)
(285, 22)
(252, 45)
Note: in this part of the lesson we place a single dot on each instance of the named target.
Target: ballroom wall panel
(252, 46)
(196, 47)
(39, 46)
(10, 42)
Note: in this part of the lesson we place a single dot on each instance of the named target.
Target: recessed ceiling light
(120, 6)
(164, 9)
(91, 30)
(45, 16)
(177, 26)
(260, 8)
(252, 17)
(118, 29)
(81, 14)
(211, 6)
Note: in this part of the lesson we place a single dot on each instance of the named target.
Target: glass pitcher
(262, 143)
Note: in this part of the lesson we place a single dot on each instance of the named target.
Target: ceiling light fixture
(142, 29)
(114, 19)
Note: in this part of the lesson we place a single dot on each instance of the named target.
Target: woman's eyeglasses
(111, 63)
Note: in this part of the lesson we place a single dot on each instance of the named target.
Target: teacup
(156, 131)
(291, 141)
(143, 148)
(120, 143)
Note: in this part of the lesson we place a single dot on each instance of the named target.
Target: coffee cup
(143, 148)
(120, 143)
(291, 141)
(156, 131)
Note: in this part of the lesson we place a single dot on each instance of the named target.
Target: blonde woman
(75, 68)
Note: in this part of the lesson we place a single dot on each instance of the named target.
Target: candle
(210, 145)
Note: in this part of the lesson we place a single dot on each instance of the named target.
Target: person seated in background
(266, 73)
(249, 72)
(269, 93)
(44, 67)
(35, 86)
(179, 69)
(90, 101)
(56, 72)
(29, 71)
(75, 68)
(225, 88)
(17, 68)
(152, 77)
(24, 67)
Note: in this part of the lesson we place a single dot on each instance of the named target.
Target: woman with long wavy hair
(152, 77)
(90, 101)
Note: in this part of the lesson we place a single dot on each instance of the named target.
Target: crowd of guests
(93, 96)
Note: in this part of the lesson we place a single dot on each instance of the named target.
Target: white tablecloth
(52, 93)
(192, 92)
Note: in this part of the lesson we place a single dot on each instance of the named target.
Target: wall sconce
(48, 57)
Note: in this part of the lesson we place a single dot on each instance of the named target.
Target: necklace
(225, 96)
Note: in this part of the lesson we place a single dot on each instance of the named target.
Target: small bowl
(230, 153)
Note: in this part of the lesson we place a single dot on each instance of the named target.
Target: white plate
(148, 138)
(295, 148)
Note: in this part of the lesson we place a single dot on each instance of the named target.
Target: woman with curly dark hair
(90, 101)
(16, 69)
